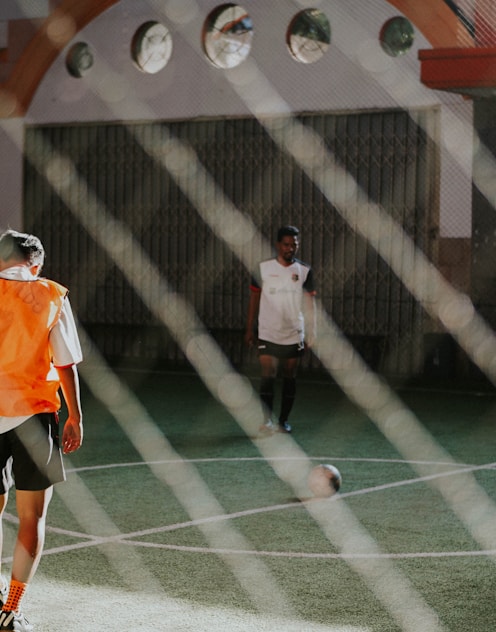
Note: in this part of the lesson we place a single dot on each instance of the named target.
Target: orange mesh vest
(28, 311)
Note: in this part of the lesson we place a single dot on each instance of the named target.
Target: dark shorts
(30, 456)
(282, 352)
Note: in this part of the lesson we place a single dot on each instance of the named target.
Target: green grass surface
(159, 558)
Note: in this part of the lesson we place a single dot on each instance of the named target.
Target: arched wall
(433, 18)
(355, 74)
(57, 30)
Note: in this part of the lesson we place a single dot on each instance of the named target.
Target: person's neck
(284, 262)
(9, 263)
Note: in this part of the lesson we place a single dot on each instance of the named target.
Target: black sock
(267, 393)
(287, 397)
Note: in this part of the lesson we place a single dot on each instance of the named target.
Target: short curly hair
(22, 248)
(287, 231)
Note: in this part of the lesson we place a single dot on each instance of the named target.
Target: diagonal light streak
(391, 587)
(453, 308)
(90, 514)
(181, 476)
(183, 323)
(236, 231)
(204, 354)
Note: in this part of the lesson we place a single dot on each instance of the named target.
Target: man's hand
(249, 338)
(310, 339)
(72, 435)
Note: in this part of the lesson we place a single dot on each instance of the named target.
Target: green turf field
(208, 534)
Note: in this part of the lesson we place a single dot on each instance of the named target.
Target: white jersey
(280, 318)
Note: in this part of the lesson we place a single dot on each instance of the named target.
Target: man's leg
(268, 366)
(32, 510)
(289, 369)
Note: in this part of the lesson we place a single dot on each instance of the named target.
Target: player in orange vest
(39, 351)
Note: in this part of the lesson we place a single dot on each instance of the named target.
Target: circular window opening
(397, 36)
(151, 47)
(79, 60)
(309, 35)
(227, 36)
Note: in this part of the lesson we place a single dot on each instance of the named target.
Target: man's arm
(253, 308)
(310, 314)
(72, 435)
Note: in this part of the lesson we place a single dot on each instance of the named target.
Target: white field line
(90, 540)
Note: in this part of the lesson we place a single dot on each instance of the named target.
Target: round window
(227, 36)
(397, 36)
(79, 60)
(309, 35)
(151, 47)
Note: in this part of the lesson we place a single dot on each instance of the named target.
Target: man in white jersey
(39, 351)
(281, 300)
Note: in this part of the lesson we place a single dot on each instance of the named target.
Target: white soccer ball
(324, 480)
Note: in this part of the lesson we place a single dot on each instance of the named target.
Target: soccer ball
(324, 480)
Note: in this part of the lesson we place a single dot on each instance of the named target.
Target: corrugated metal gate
(389, 154)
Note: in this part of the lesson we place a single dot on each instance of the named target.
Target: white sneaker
(15, 621)
(267, 428)
(4, 590)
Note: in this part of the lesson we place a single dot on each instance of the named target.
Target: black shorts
(30, 455)
(282, 352)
